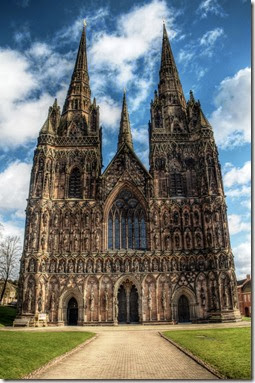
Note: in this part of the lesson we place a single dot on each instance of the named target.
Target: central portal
(183, 309)
(128, 304)
(72, 312)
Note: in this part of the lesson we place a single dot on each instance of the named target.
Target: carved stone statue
(163, 299)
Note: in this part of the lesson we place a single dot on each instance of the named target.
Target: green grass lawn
(23, 352)
(7, 315)
(248, 319)
(227, 350)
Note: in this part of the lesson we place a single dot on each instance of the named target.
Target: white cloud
(232, 117)
(140, 134)
(110, 113)
(239, 192)
(246, 203)
(143, 155)
(236, 225)
(21, 122)
(210, 6)
(210, 37)
(10, 227)
(39, 49)
(25, 101)
(197, 49)
(117, 55)
(16, 81)
(14, 184)
(238, 176)
(242, 254)
(185, 55)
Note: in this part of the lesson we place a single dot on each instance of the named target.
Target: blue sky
(211, 44)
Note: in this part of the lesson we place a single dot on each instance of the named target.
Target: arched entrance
(246, 309)
(72, 312)
(183, 309)
(122, 305)
(134, 317)
(128, 304)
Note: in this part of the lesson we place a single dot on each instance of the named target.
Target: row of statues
(126, 265)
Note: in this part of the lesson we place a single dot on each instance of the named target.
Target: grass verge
(7, 315)
(227, 350)
(23, 352)
(247, 319)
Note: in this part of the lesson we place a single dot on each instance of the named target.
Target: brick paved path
(127, 355)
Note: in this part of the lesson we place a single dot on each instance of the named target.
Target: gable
(125, 167)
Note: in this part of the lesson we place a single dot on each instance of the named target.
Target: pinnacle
(125, 135)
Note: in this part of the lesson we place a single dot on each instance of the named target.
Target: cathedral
(126, 245)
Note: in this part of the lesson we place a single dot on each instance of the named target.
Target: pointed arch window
(110, 232)
(177, 187)
(126, 223)
(75, 185)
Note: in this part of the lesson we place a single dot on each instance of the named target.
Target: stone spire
(169, 87)
(78, 97)
(125, 135)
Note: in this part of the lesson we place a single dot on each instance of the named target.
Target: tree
(10, 250)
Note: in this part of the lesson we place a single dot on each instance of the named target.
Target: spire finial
(84, 23)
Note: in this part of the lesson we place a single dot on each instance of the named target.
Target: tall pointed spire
(78, 97)
(169, 83)
(125, 135)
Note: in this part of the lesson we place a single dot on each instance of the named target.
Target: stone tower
(127, 245)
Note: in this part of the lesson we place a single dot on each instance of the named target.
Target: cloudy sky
(211, 43)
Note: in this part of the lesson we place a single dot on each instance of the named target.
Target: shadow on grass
(7, 315)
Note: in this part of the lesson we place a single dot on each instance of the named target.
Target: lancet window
(126, 223)
(75, 186)
(176, 184)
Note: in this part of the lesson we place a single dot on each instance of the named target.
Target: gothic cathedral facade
(127, 245)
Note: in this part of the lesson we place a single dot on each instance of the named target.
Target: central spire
(125, 131)
(78, 97)
(169, 87)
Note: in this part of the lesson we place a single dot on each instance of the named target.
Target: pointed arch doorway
(128, 303)
(183, 309)
(72, 312)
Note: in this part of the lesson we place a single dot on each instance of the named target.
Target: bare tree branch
(10, 250)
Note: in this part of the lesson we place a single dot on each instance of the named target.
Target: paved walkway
(127, 355)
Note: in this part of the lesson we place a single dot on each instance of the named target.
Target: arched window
(75, 189)
(126, 223)
(177, 187)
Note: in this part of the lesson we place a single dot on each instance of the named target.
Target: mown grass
(247, 319)
(7, 315)
(23, 352)
(227, 350)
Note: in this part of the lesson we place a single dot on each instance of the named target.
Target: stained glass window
(117, 232)
(123, 233)
(143, 234)
(126, 223)
(130, 233)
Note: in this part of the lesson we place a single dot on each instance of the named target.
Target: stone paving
(127, 355)
(128, 352)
